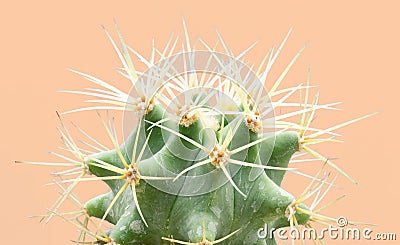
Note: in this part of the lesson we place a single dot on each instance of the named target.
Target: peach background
(354, 56)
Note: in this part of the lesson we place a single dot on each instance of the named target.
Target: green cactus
(205, 162)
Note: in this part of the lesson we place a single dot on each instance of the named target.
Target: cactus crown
(205, 162)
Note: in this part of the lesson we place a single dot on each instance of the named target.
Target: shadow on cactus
(203, 154)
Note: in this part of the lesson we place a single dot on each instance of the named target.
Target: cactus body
(204, 170)
(223, 210)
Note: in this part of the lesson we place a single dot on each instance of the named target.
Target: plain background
(353, 52)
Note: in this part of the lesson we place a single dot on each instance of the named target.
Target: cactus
(207, 156)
